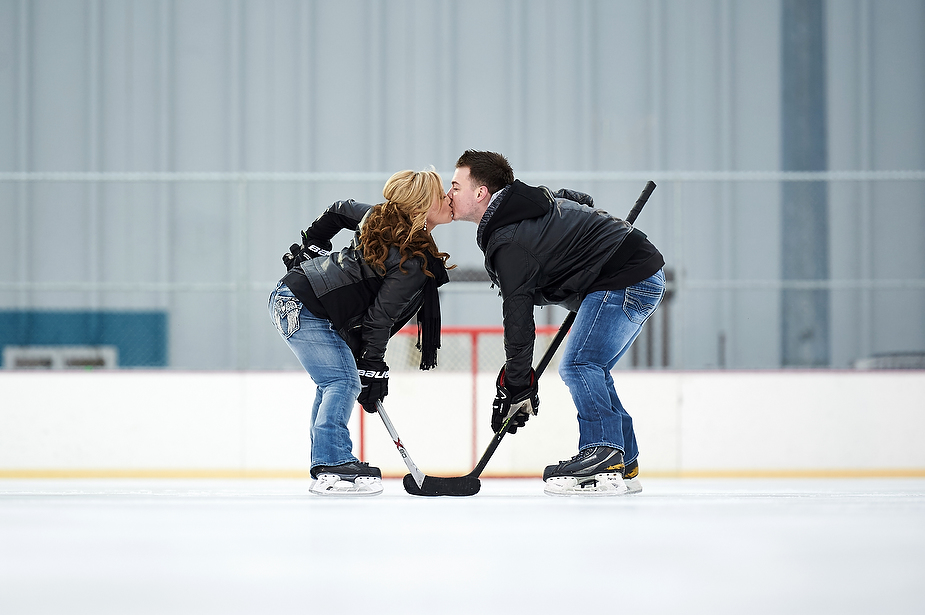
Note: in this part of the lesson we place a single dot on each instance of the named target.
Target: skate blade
(602, 485)
(633, 486)
(331, 485)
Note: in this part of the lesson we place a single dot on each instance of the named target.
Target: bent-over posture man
(557, 249)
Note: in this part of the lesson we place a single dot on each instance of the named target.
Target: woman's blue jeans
(605, 326)
(328, 360)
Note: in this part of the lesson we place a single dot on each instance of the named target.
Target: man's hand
(524, 401)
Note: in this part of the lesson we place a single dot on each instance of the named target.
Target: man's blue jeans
(328, 360)
(606, 325)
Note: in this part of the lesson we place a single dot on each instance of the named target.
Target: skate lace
(580, 455)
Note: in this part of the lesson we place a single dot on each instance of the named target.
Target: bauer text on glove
(374, 378)
(315, 246)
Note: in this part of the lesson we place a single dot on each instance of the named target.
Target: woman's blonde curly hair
(401, 220)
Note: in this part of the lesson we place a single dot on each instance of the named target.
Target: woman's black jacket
(365, 306)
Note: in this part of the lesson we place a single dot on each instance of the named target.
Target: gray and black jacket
(544, 250)
(365, 306)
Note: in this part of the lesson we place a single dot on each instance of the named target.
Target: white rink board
(687, 423)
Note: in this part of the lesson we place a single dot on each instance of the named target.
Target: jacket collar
(513, 203)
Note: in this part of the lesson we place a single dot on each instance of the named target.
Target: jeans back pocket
(642, 298)
(286, 311)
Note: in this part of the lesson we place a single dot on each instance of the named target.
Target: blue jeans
(328, 360)
(606, 325)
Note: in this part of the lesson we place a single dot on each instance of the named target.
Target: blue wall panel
(140, 337)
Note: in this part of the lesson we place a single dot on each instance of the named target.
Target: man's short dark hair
(487, 169)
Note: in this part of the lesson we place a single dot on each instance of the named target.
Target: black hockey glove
(574, 195)
(524, 400)
(293, 257)
(311, 248)
(314, 247)
(374, 377)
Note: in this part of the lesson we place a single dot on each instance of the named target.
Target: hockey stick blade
(436, 486)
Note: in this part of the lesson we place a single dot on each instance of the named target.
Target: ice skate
(352, 479)
(595, 471)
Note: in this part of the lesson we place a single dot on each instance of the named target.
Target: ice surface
(267, 546)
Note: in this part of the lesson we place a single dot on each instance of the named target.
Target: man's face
(466, 196)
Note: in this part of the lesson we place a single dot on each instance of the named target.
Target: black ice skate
(356, 478)
(597, 470)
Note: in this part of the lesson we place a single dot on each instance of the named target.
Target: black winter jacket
(365, 306)
(543, 250)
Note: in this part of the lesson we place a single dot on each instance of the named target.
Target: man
(556, 249)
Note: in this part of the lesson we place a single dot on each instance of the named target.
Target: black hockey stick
(434, 486)
(640, 202)
(538, 371)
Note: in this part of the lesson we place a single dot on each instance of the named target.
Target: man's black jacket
(543, 250)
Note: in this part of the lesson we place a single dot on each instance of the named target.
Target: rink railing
(675, 342)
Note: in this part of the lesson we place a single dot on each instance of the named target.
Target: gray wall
(596, 95)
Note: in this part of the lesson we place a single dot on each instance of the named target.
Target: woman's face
(440, 212)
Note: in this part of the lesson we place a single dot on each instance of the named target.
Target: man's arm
(518, 275)
(574, 195)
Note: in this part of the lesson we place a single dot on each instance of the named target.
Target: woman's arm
(394, 302)
(341, 215)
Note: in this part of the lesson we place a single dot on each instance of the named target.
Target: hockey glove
(523, 401)
(293, 257)
(314, 247)
(374, 378)
(311, 248)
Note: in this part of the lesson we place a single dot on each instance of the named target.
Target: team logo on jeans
(287, 311)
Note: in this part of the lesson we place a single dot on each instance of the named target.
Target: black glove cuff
(316, 245)
(516, 390)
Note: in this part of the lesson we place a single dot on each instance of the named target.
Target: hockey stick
(538, 371)
(459, 485)
(640, 202)
(434, 486)
(415, 472)
(470, 483)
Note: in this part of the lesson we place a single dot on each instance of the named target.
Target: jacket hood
(521, 202)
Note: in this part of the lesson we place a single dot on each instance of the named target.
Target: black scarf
(429, 314)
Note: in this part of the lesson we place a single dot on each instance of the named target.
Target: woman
(337, 311)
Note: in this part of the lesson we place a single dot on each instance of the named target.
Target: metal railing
(674, 190)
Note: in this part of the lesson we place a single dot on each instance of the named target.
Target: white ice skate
(351, 479)
(594, 471)
(599, 485)
(335, 485)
